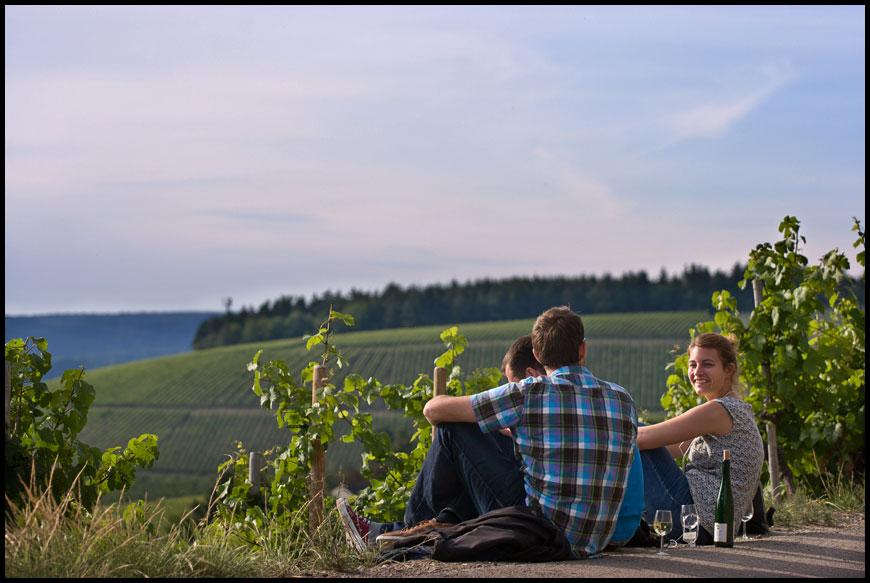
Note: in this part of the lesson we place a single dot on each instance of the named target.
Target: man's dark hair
(520, 357)
(557, 336)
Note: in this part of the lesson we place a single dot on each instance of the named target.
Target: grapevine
(390, 473)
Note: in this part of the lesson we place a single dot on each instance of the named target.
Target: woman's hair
(726, 348)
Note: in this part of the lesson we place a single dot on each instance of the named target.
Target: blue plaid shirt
(576, 435)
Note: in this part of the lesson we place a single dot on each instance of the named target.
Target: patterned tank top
(704, 468)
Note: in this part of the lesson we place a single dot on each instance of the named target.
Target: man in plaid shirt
(575, 435)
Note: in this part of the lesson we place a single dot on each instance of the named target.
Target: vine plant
(42, 445)
(808, 332)
(391, 473)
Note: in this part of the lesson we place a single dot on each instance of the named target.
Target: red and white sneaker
(356, 527)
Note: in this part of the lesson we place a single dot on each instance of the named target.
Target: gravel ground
(786, 552)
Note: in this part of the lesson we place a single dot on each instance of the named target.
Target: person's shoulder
(734, 404)
(507, 388)
(612, 392)
(609, 385)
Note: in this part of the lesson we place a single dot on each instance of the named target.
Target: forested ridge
(479, 301)
(484, 300)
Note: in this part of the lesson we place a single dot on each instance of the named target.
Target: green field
(200, 403)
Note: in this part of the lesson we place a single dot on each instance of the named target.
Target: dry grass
(841, 504)
(49, 538)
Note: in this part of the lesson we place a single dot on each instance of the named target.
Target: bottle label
(720, 532)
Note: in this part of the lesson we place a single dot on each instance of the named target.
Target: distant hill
(483, 300)
(98, 340)
(201, 402)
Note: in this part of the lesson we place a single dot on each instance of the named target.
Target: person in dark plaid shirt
(575, 435)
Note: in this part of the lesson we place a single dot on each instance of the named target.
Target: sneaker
(356, 527)
(388, 539)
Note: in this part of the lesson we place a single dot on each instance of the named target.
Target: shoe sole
(388, 540)
(350, 531)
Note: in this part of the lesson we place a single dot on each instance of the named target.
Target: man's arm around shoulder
(444, 409)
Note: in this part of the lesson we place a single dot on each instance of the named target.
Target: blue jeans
(665, 487)
(466, 473)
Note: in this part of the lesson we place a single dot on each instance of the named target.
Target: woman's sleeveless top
(704, 467)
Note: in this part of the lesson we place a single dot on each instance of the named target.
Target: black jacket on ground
(515, 533)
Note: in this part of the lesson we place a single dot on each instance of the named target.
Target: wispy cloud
(362, 145)
(720, 114)
(576, 187)
(259, 217)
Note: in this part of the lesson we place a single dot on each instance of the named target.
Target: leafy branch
(43, 440)
(391, 473)
(802, 354)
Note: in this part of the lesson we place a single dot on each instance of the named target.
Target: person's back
(576, 434)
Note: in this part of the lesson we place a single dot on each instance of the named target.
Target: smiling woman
(710, 376)
(714, 375)
(702, 434)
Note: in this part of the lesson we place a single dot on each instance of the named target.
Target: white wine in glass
(690, 536)
(662, 526)
(689, 518)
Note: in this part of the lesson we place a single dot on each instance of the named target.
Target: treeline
(480, 301)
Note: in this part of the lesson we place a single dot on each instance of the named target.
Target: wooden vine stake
(8, 398)
(440, 377)
(772, 456)
(318, 462)
(255, 471)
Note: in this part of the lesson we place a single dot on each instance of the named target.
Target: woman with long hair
(701, 434)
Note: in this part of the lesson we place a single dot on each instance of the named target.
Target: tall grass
(839, 502)
(50, 538)
(61, 538)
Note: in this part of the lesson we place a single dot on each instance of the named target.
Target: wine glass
(745, 518)
(689, 518)
(662, 526)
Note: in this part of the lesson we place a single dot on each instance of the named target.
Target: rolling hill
(200, 403)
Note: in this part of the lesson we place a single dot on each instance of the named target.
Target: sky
(165, 158)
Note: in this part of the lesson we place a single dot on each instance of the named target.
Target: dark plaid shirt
(576, 435)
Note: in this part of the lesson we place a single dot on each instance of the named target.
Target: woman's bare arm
(709, 418)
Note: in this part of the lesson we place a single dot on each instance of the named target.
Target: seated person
(470, 470)
(702, 433)
(520, 358)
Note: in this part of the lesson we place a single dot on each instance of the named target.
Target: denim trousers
(466, 473)
(665, 487)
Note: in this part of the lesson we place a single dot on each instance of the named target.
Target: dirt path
(786, 552)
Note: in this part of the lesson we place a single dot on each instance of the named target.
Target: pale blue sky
(164, 158)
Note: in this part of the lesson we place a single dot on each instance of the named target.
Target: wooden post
(440, 378)
(318, 463)
(255, 471)
(8, 400)
(772, 456)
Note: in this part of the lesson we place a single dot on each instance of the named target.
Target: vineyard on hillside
(200, 403)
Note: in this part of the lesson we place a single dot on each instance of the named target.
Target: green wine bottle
(723, 535)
